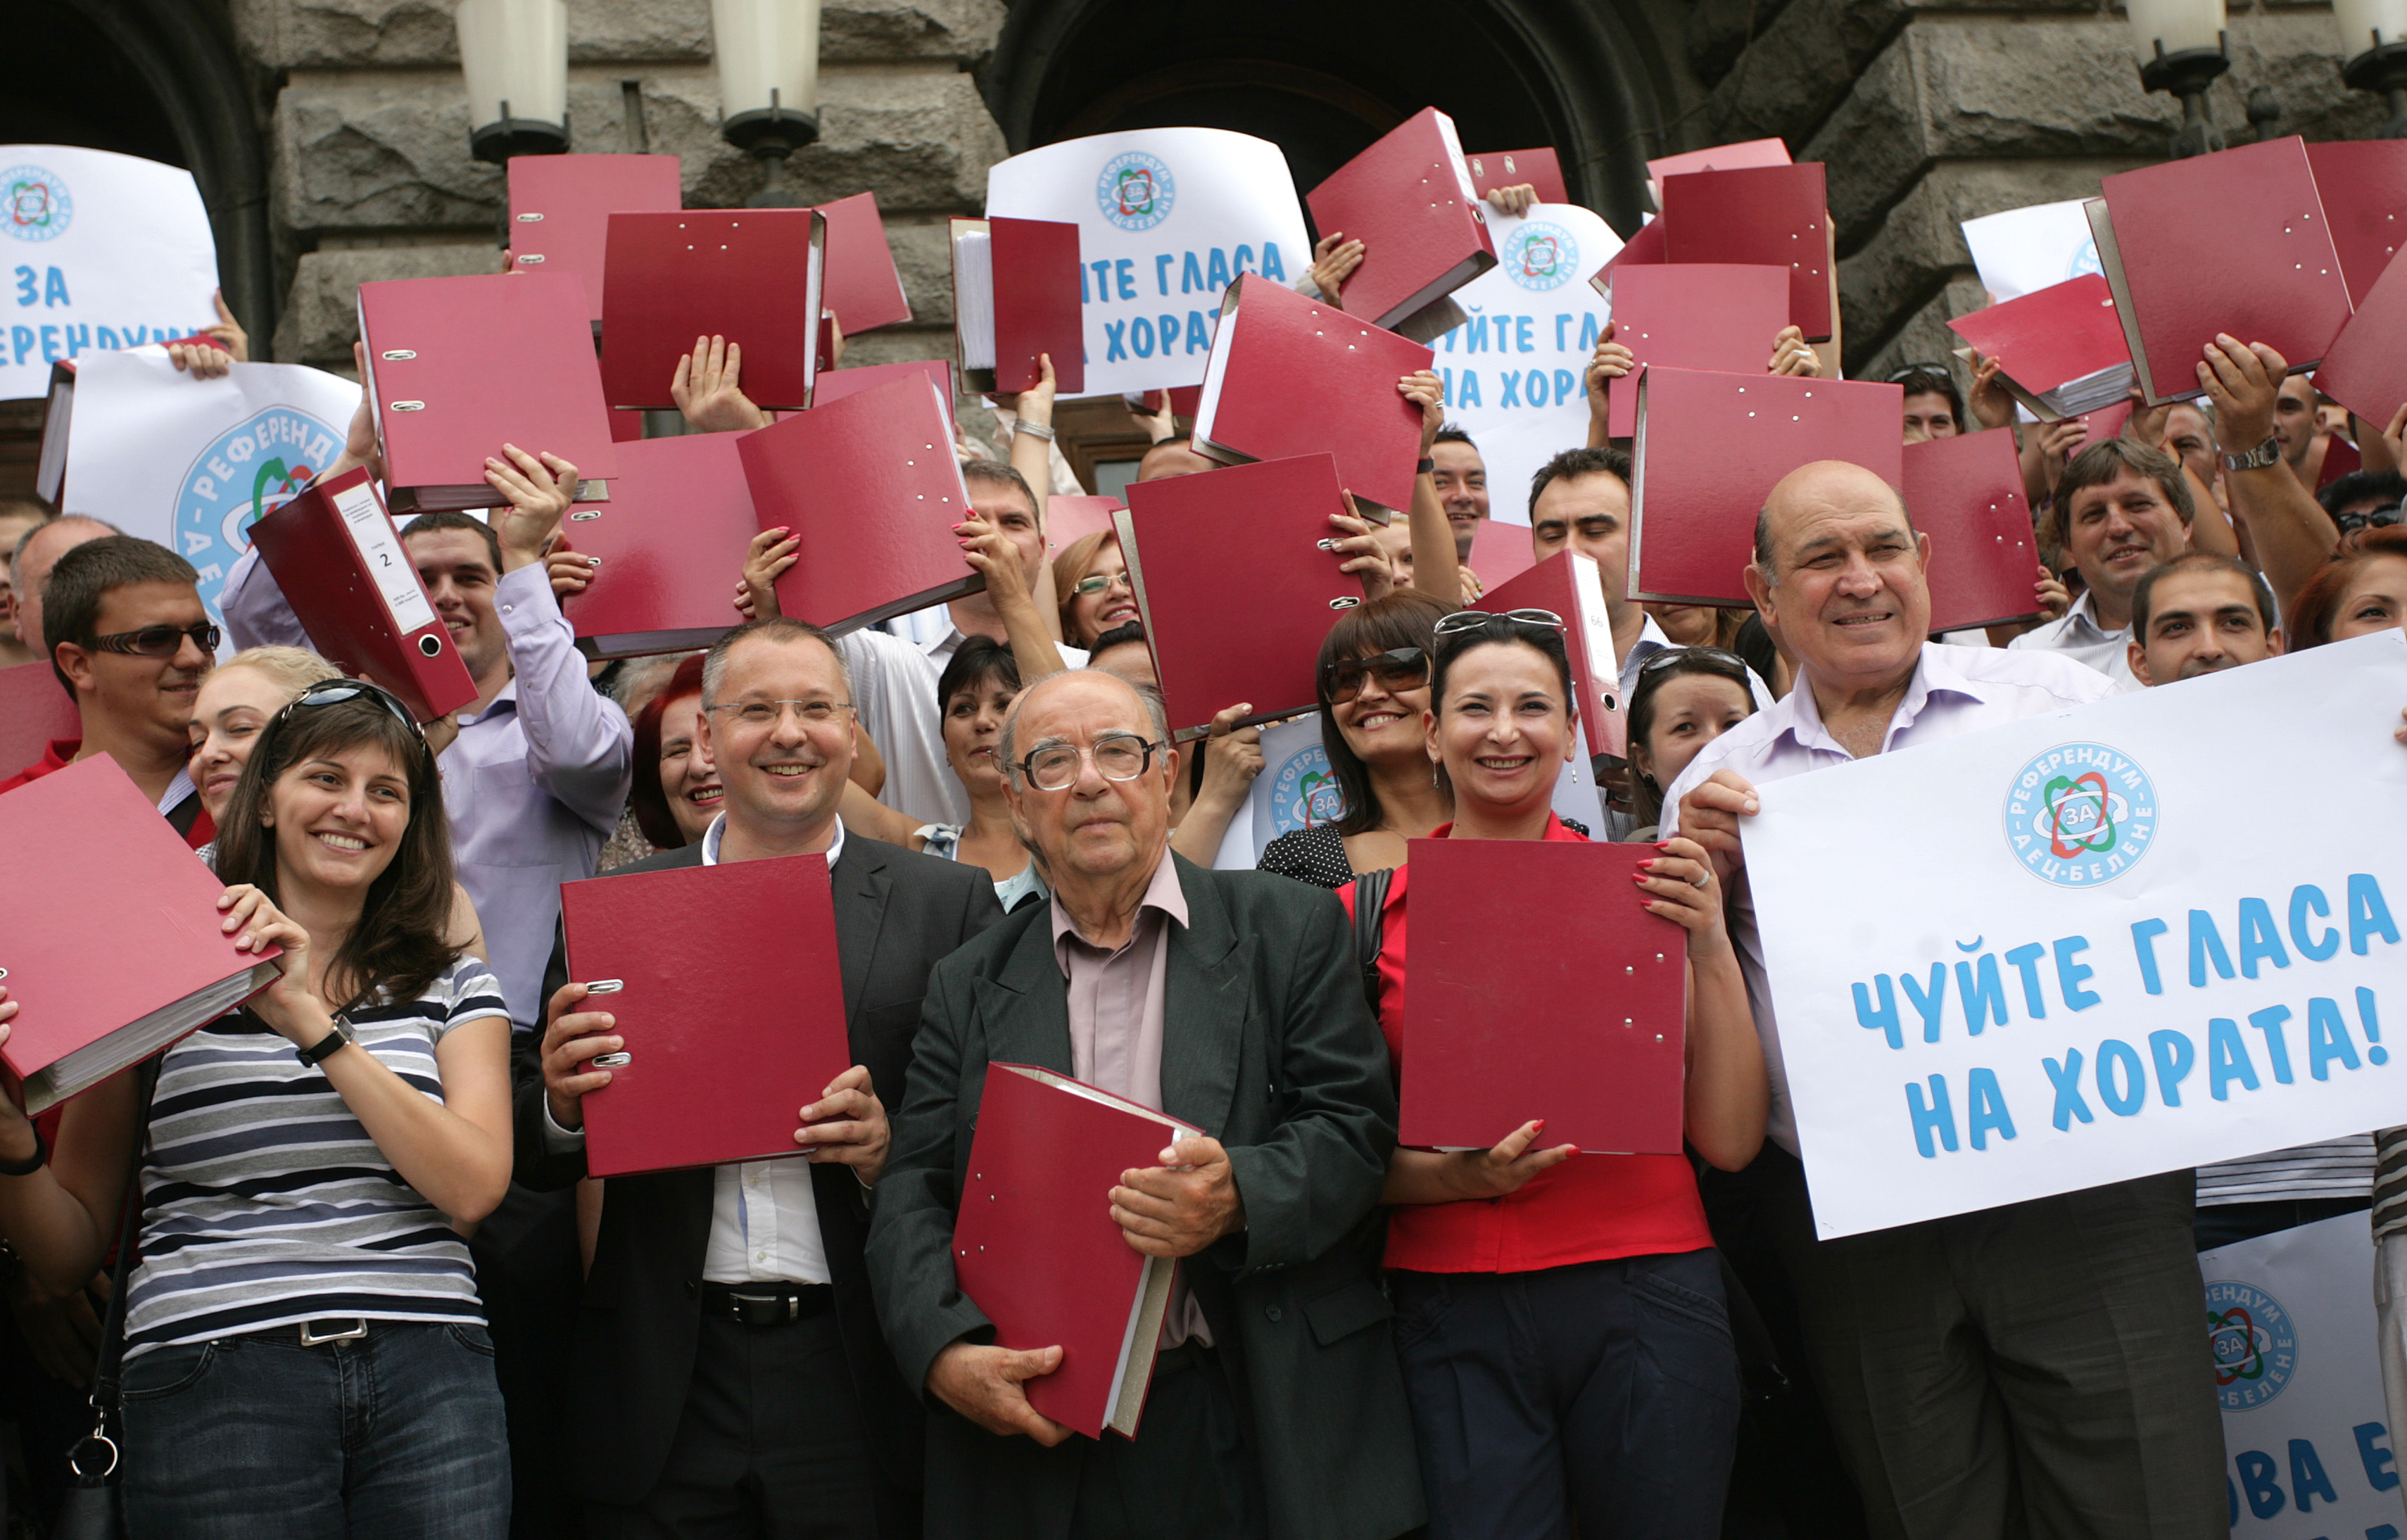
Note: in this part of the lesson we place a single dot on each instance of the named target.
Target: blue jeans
(396, 1435)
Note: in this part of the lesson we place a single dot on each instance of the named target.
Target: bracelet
(1425, 467)
(1033, 431)
(40, 1158)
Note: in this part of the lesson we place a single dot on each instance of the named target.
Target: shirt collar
(718, 830)
(1651, 639)
(509, 695)
(1162, 893)
(2083, 616)
(177, 790)
(1934, 673)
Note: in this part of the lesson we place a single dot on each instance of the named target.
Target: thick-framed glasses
(2379, 518)
(332, 691)
(1116, 755)
(1398, 668)
(1463, 621)
(159, 641)
(769, 713)
(1099, 582)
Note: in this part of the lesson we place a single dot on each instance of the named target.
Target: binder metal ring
(1347, 603)
(605, 986)
(398, 354)
(529, 218)
(581, 515)
(1326, 545)
(3, 973)
(613, 1060)
(532, 257)
(431, 644)
(407, 405)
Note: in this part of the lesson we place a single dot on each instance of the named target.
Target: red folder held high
(1571, 586)
(1501, 552)
(1966, 492)
(1729, 157)
(2232, 242)
(753, 276)
(1539, 169)
(871, 488)
(1035, 1249)
(1017, 290)
(1710, 448)
(1410, 201)
(1643, 250)
(2059, 349)
(34, 710)
(1773, 214)
(1252, 537)
(2365, 368)
(2363, 185)
(341, 565)
(109, 933)
(667, 549)
(863, 287)
(1290, 376)
(1595, 1043)
(730, 996)
(561, 207)
(1070, 519)
(1693, 316)
(837, 384)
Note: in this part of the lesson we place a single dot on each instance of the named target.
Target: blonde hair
(1078, 559)
(293, 668)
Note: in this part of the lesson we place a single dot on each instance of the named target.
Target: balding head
(1173, 457)
(37, 554)
(1839, 573)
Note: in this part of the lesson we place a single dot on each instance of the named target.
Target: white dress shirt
(1955, 690)
(2078, 636)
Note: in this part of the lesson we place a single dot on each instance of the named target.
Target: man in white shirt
(2028, 1367)
(2122, 510)
(735, 1380)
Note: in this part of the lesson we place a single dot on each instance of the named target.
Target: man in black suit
(1231, 1001)
(733, 1380)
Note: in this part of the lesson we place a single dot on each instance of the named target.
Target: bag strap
(109, 1363)
(1370, 930)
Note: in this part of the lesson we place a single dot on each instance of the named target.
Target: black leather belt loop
(767, 1303)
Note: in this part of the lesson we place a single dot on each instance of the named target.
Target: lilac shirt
(533, 785)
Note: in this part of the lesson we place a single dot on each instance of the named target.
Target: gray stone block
(321, 318)
(1923, 336)
(923, 255)
(347, 33)
(380, 154)
(964, 31)
(616, 31)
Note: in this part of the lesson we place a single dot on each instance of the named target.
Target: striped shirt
(264, 1200)
(2334, 1168)
(2390, 1182)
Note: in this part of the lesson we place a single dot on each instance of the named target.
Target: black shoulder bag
(94, 1507)
(1370, 928)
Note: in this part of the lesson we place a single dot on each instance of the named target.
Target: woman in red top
(1560, 1319)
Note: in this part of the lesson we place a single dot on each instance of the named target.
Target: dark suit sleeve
(535, 1166)
(982, 910)
(1320, 1171)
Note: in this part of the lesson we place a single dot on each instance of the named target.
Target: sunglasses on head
(1936, 370)
(1463, 621)
(332, 691)
(1669, 655)
(1398, 668)
(159, 641)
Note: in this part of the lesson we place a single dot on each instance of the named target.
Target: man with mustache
(2122, 510)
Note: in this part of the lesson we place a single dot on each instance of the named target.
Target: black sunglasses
(2379, 518)
(159, 641)
(1937, 370)
(1398, 668)
(1666, 657)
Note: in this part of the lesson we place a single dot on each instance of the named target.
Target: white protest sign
(97, 251)
(2024, 250)
(2068, 951)
(2290, 1328)
(1167, 218)
(1515, 370)
(192, 463)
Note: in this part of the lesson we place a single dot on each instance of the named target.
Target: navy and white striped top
(265, 1202)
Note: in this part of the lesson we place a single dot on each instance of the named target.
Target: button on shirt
(1955, 690)
(2078, 636)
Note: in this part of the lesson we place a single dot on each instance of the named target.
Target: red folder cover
(340, 563)
(1501, 552)
(730, 997)
(1693, 316)
(109, 933)
(1196, 544)
(34, 710)
(1643, 250)
(460, 367)
(2048, 338)
(2234, 242)
(1035, 1249)
(1710, 448)
(1595, 1043)
(1290, 376)
(2365, 369)
(1493, 168)
(1017, 292)
(1966, 492)
(1570, 585)
(1729, 157)
(2363, 184)
(871, 486)
(2340, 458)
(561, 207)
(753, 276)
(668, 547)
(1069, 519)
(837, 384)
(1409, 200)
(863, 287)
(1773, 214)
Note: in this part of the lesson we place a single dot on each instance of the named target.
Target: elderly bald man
(2028, 1369)
(1229, 999)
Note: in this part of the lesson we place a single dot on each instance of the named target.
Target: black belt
(767, 1303)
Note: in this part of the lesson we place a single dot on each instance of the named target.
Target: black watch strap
(27, 1167)
(1426, 466)
(325, 1048)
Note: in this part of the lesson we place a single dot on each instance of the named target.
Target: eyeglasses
(1463, 621)
(1936, 370)
(1099, 582)
(2379, 518)
(159, 641)
(769, 713)
(1398, 668)
(1116, 755)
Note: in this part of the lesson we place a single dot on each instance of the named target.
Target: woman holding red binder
(1560, 1316)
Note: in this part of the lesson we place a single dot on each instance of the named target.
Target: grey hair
(777, 628)
(1154, 709)
(17, 553)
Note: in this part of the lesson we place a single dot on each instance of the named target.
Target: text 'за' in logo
(37, 206)
(2080, 814)
(2252, 1342)
(1304, 794)
(1135, 191)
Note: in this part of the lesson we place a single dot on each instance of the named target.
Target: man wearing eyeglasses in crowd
(1276, 1405)
(739, 1384)
(128, 638)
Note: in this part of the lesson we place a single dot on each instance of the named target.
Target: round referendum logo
(2080, 814)
(252, 470)
(1304, 794)
(1540, 256)
(2252, 1342)
(38, 207)
(1135, 191)
(2085, 261)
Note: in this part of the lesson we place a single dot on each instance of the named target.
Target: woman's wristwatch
(327, 1046)
(2263, 456)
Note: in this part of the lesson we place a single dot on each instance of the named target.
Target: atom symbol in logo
(2078, 816)
(36, 204)
(1135, 191)
(2239, 1345)
(1538, 257)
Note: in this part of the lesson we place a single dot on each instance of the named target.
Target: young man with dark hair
(1934, 408)
(1461, 479)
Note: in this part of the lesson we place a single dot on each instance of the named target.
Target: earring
(1433, 780)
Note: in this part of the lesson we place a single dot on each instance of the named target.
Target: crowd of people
(345, 1242)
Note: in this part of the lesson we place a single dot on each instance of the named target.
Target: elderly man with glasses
(1231, 1001)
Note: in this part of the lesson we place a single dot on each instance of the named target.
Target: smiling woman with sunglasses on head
(1686, 697)
(306, 1353)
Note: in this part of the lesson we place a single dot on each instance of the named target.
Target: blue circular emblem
(1540, 256)
(2080, 814)
(2252, 1342)
(38, 207)
(1135, 191)
(252, 470)
(2085, 261)
(1304, 794)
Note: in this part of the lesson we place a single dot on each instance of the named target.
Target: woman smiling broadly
(305, 1352)
(1092, 583)
(677, 791)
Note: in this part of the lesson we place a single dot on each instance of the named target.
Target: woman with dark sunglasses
(304, 1349)
(1686, 697)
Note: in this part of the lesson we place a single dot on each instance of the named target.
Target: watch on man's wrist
(327, 1046)
(2263, 456)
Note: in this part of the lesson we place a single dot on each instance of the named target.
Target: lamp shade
(515, 54)
(768, 56)
(2174, 26)
(2369, 23)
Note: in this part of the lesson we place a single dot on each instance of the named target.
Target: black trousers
(1186, 1475)
(770, 1445)
(529, 1274)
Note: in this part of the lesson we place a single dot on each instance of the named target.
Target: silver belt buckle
(359, 1328)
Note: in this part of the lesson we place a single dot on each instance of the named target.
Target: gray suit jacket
(1268, 1047)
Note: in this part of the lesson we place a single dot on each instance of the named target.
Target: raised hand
(1517, 200)
(706, 388)
(1333, 261)
(766, 559)
(540, 491)
(1792, 355)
